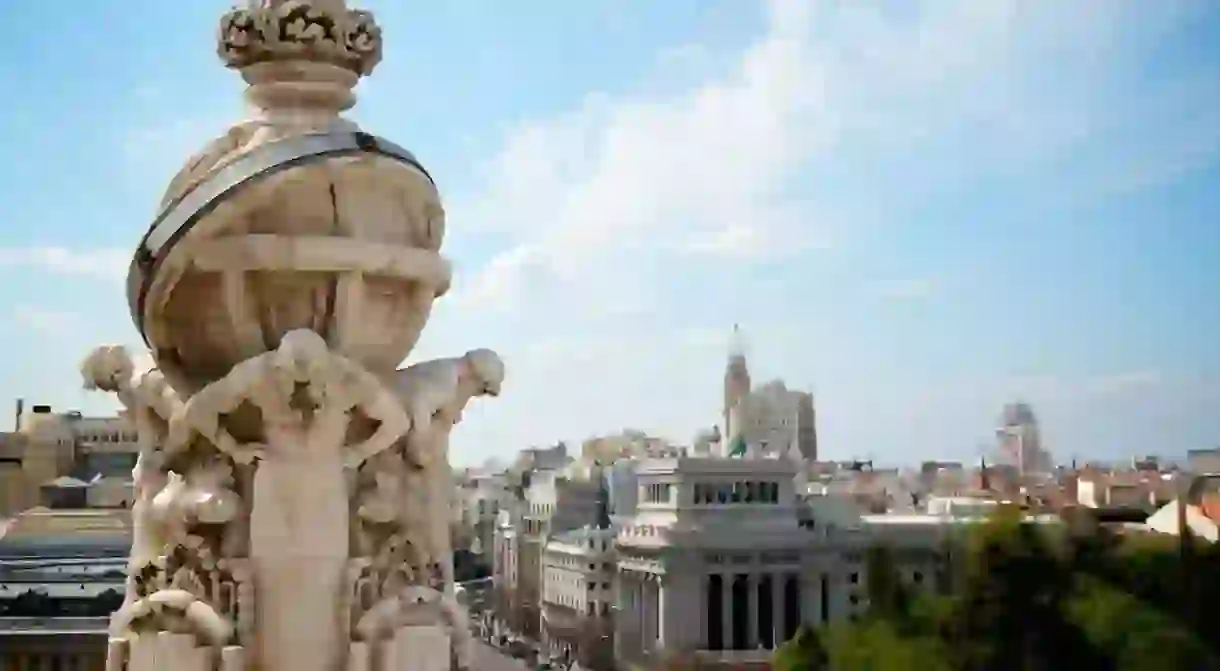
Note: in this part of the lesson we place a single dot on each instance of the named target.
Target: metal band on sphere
(181, 215)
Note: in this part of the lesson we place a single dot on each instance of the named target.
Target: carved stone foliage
(299, 29)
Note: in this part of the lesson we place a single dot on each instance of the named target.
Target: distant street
(487, 658)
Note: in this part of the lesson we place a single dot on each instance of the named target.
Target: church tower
(736, 381)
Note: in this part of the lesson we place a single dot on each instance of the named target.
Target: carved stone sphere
(347, 246)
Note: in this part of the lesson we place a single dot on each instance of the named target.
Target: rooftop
(59, 546)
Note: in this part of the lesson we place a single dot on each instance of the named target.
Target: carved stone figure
(141, 388)
(435, 393)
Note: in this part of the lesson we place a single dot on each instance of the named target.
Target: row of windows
(656, 493)
(115, 437)
(535, 526)
(737, 492)
(571, 562)
(722, 493)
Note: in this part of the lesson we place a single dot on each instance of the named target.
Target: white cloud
(730, 167)
(700, 171)
(105, 262)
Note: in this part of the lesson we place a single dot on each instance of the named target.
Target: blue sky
(919, 210)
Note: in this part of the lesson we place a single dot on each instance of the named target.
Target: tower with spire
(736, 382)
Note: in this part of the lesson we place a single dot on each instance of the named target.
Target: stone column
(752, 611)
(663, 632)
(826, 595)
(701, 605)
(806, 583)
(777, 607)
(726, 610)
(650, 595)
(645, 606)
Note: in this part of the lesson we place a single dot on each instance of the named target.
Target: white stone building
(578, 595)
(723, 561)
(549, 501)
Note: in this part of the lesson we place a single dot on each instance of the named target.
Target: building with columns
(723, 560)
(717, 564)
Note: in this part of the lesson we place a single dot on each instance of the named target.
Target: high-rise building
(1020, 441)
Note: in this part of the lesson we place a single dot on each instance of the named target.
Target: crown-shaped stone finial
(300, 55)
(323, 31)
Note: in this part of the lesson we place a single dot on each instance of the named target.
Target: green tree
(1137, 636)
(802, 652)
(1007, 614)
(888, 596)
(877, 645)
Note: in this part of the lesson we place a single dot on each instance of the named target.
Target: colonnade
(738, 608)
(747, 611)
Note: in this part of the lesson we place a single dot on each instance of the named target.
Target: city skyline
(918, 214)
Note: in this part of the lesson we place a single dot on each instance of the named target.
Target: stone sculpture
(292, 487)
